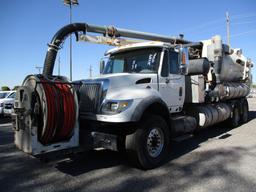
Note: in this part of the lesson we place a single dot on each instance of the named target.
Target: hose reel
(50, 105)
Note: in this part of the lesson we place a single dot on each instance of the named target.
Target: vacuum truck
(151, 89)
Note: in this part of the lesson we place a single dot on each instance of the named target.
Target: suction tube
(110, 31)
(54, 46)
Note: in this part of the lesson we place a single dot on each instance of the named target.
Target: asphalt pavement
(216, 159)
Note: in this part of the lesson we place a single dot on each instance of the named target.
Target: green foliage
(254, 86)
(5, 88)
(15, 87)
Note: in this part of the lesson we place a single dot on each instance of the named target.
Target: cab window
(174, 62)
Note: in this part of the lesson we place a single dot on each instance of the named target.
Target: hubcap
(155, 142)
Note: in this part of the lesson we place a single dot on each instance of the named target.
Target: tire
(244, 117)
(147, 147)
(234, 120)
(121, 144)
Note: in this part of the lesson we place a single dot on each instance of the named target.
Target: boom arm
(110, 31)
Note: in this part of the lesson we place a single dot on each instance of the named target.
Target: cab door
(171, 82)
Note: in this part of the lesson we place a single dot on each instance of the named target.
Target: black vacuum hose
(57, 40)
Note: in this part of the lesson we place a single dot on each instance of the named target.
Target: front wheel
(148, 146)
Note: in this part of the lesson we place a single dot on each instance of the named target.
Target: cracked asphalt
(216, 159)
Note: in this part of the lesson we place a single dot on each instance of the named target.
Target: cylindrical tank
(210, 114)
(232, 69)
(236, 90)
(198, 66)
(229, 65)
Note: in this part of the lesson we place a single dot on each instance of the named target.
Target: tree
(15, 87)
(5, 88)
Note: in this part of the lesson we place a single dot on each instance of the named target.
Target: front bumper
(8, 112)
(103, 140)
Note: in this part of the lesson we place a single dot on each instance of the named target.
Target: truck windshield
(135, 61)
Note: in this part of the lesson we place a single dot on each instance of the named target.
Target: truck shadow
(180, 148)
(85, 162)
(111, 171)
(82, 163)
(252, 115)
(6, 132)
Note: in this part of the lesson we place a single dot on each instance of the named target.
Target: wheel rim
(155, 142)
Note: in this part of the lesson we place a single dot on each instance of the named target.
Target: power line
(242, 33)
(221, 26)
(245, 22)
(203, 25)
(209, 28)
(234, 17)
(246, 15)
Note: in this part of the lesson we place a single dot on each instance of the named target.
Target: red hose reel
(59, 112)
(54, 106)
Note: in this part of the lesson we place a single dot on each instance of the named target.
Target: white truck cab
(134, 74)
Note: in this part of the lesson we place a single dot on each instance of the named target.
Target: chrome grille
(8, 105)
(90, 97)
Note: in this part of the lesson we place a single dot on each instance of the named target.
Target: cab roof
(137, 46)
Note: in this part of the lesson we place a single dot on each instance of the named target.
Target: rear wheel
(245, 112)
(147, 147)
(234, 120)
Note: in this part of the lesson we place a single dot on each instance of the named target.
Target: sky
(27, 26)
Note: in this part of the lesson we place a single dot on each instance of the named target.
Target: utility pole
(90, 71)
(59, 66)
(70, 3)
(39, 69)
(228, 28)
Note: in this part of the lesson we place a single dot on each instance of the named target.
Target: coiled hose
(61, 112)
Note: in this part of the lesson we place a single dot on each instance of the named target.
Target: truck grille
(90, 97)
(8, 106)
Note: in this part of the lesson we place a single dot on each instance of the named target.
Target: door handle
(167, 80)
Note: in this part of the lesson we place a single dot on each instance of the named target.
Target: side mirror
(184, 60)
(102, 65)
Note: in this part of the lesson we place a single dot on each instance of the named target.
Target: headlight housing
(115, 106)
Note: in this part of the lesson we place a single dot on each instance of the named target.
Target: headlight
(115, 106)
